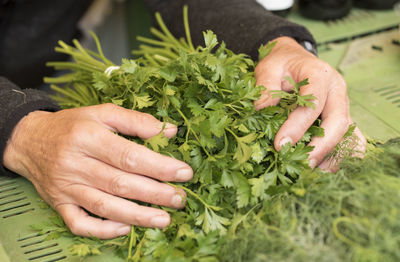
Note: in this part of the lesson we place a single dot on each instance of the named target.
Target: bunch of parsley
(208, 92)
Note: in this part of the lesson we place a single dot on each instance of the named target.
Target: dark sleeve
(29, 31)
(243, 24)
(14, 105)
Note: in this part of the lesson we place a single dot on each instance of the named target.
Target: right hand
(77, 163)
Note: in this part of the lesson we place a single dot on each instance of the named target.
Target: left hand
(290, 59)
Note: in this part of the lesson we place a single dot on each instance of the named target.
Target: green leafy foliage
(353, 215)
(208, 92)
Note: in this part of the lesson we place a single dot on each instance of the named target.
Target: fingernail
(177, 201)
(184, 174)
(160, 221)
(284, 141)
(124, 230)
(170, 130)
(312, 163)
(169, 126)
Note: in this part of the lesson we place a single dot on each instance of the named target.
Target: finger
(302, 117)
(131, 122)
(335, 122)
(119, 209)
(330, 165)
(362, 144)
(132, 186)
(333, 164)
(80, 223)
(134, 158)
(271, 80)
(335, 127)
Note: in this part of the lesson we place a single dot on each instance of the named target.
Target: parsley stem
(151, 60)
(234, 226)
(136, 255)
(152, 50)
(60, 79)
(166, 31)
(72, 66)
(154, 42)
(193, 194)
(131, 237)
(270, 166)
(99, 50)
(68, 93)
(187, 28)
(79, 57)
(160, 35)
(233, 108)
(226, 90)
(233, 133)
(191, 130)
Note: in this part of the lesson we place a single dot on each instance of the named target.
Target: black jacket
(29, 31)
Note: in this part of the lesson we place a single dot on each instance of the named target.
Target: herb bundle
(208, 92)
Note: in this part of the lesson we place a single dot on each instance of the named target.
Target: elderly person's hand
(78, 164)
(289, 59)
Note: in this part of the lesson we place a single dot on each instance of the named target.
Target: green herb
(208, 92)
(353, 215)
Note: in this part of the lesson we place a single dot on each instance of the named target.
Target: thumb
(131, 122)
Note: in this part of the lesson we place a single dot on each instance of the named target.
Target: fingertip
(80, 223)
(312, 163)
(123, 230)
(329, 165)
(170, 130)
(280, 142)
(184, 174)
(178, 200)
(361, 148)
(161, 221)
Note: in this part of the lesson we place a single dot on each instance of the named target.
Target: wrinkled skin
(289, 59)
(78, 164)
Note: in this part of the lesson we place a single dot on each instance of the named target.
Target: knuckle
(325, 67)
(144, 118)
(139, 215)
(128, 159)
(141, 220)
(75, 226)
(77, 133)
(109, 107)
(99, 207)
(61, 160)
(119, 185)
(258, 70)
(264, 66)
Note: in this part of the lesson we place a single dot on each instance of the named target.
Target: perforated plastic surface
(19, 209)
(359, 22)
